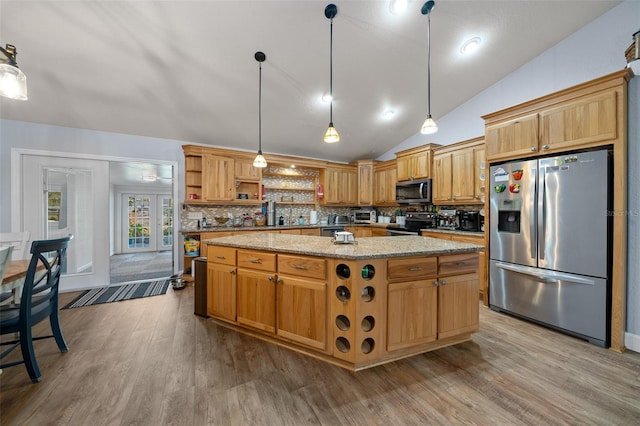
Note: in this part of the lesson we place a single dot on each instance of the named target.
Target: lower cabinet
(302, 300)
(256, 301)
(431, 302)
(221, 291)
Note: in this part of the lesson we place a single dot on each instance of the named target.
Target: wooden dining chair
(39, 301)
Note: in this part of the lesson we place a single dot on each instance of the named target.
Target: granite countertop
(366, 248)
(225, 228)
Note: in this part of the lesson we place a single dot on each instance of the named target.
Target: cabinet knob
(232, 271)
(534, 149)
(270, 278)
(545, 146)
(443, 282)
(278, 280)
(435, 283)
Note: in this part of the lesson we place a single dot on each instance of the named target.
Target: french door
(147, 222)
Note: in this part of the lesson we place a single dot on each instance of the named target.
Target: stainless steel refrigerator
(549, 242)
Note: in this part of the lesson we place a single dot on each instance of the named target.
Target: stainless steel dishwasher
(330, 231)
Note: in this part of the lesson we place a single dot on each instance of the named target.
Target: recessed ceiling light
(397, 6)
(388, 114)
(470, 46)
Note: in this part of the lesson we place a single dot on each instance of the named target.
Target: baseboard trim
(632, 341)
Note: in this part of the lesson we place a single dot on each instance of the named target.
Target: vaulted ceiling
(185, 70)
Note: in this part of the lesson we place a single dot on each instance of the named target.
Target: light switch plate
(194, 215)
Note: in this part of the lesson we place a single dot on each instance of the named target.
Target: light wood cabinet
(483, 278)
(384, 183)
(365, 182)
(458, 308)
(455, 173)
(193, 173)
(412, 316)
(414, 163)
(340, 185)
(302, 300)
(218, 178)
(221, 291)
(359, 231)
(256, 289)
(577, 123)
(244, 170)
(378, 231)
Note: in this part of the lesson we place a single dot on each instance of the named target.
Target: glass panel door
(140, 235)
(165, 205)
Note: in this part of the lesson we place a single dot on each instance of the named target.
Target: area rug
(120, 292)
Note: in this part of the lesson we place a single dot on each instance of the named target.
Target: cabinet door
(392, 179)
(257, 299)
(403, 167)
(585, 122)
(365, 184)
(412, 313)
(442, 171)
(512, 139)
(221, 291)
(218, 181)
(420, 165)
(349, 187)
(481, 172)
(458, 305)
(302, 311)
(244, 170)
(331, 186)
(463, 175)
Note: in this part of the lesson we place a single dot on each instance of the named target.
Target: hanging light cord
(429, 64)
(331, 72)
(260, 110)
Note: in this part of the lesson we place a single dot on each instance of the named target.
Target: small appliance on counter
(414, 222)
(469, 221)
(447, 219)
(363, 216)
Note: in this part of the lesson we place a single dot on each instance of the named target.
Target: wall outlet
(195, 215)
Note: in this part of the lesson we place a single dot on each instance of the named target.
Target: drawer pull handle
(461, 263)
(299, 267)
(415, 268)
(255, 260)
(220, 257)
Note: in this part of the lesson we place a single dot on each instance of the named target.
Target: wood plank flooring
(152, 362)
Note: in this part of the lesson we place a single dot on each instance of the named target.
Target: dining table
(14, 276)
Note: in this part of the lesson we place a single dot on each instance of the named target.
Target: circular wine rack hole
(343, 323)
(367, 345)
(343, 271)
(343, 294)
(368, 271)
(343, 345)
(368, 293)
(368, 323)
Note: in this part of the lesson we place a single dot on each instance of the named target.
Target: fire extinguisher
(320, 191)
(264, 193)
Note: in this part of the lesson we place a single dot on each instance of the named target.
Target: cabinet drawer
(458, 264)
(257, 260)
(310, 267)
(412, 268)
(470, 240)
(224, 255)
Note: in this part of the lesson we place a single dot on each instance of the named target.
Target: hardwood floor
(151, 361)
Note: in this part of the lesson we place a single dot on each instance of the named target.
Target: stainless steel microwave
(363, 216)
(413, 192)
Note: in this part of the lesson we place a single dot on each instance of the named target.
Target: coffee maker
(469, 221)
(447, 219)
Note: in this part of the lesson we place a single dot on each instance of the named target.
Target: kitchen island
(354, 305)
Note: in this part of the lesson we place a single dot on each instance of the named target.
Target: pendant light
(429, 126)
(331, 135)
(260, 161)
(13, 82)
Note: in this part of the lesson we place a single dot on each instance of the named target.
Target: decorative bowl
(221, 220)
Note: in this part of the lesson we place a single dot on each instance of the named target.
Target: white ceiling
(185, 70)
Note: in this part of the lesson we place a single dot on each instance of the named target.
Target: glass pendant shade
(331, 135)
(429, 126)
(260, 161)
(13, 82)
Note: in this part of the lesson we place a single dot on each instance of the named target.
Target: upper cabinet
(384, 183)
(580, 117)
(457, 173)
(414, 163)
(365, 182)
(340, 182)
(215, 176)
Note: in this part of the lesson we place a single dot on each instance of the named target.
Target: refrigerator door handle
(542, 213)
(532, 224)
(546, 276)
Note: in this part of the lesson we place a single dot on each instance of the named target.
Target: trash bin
(200, 292)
